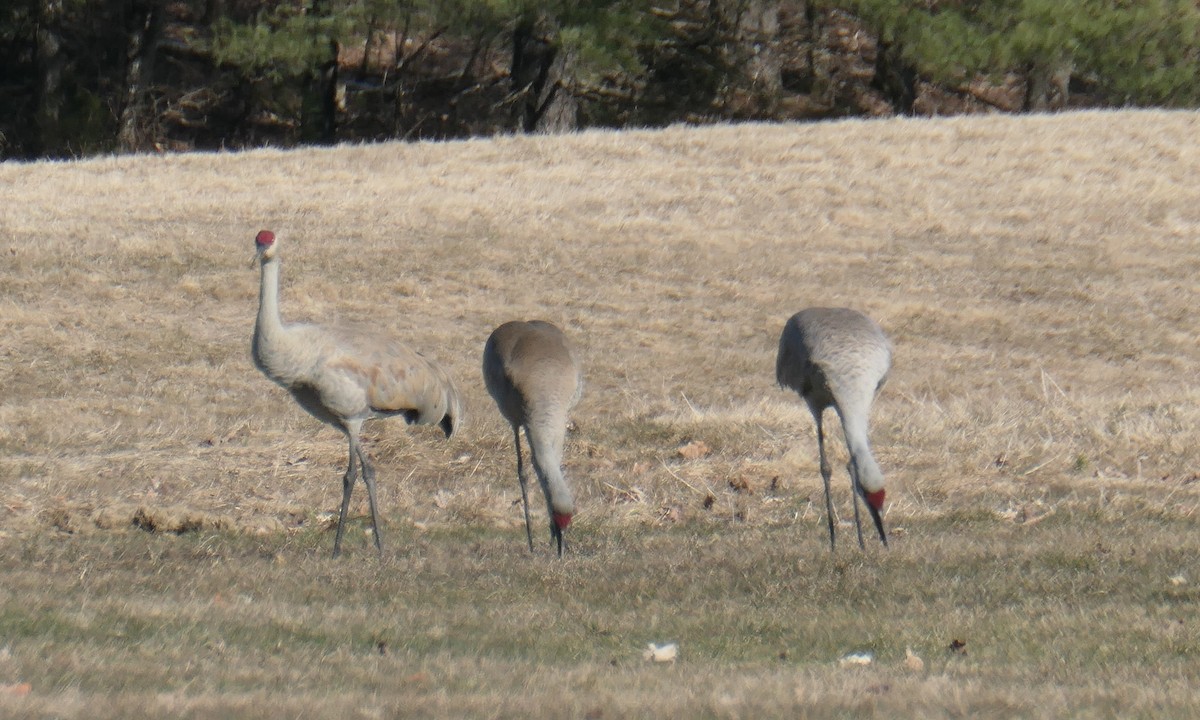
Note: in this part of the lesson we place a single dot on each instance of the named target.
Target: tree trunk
(319, 96)
(814, 37)
(143, 42)
(895, 78)
(213, 11)
(50, 64)
(1046, 85)
(536, 72)
(319, 103)
(758, 33)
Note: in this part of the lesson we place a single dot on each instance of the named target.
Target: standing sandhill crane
(344, 377)
(531, 372)
(839, 357)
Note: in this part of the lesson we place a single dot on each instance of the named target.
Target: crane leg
(347, 486)
(826, 473)
(522, 479)
(852, 468)
(368, 473)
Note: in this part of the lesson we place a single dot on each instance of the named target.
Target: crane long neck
(547, 447)
(269, 325)
(854, 426)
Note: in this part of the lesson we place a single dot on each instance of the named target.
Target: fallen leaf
(1010, 514)
(669, 513)
(741, 485)
(16, 689)
(912, 661)
(694, 450)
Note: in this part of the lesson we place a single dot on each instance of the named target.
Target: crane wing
(396, 380)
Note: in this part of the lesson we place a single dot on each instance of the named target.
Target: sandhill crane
(533, 375)
(344, 376)
(839, 357)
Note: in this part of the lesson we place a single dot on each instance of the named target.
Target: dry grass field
(166, 512)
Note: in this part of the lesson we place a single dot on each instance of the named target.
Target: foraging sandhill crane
(839, 357)
(533, 375)
(343, 377)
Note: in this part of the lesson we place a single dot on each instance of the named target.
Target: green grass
(1081, 602)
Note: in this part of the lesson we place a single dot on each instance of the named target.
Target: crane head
(875, 507)
(264, 244)
(561, 521)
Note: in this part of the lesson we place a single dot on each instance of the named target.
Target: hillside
(1037, 276)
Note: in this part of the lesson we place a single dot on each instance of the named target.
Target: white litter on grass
(1178, 580)
(660, 653)
(912, 661)
(858, 658)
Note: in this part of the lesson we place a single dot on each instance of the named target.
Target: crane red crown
(562, 520)
(264, 238)
(876, 498)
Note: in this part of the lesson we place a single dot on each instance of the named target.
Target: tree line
(96, 76)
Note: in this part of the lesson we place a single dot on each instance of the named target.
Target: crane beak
(260, 252)
(878, 518)
(557, 534)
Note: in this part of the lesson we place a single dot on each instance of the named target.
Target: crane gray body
(532, 372)
(839, 358)
(344, 376)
